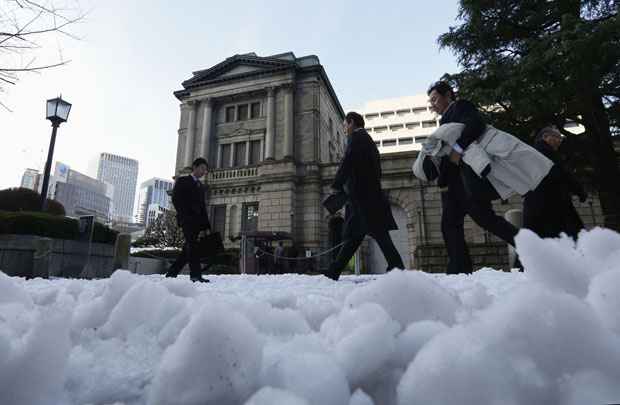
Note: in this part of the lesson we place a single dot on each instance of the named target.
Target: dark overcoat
(359, 175)
(560, 186)
(188, 198)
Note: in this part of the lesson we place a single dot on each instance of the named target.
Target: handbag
(210, 245)
(334, 202)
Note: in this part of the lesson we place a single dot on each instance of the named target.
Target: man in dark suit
(462, 191)
(548, 210)
(368, 209)
(188, 198)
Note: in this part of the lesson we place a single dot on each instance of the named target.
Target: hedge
(51, 226)
(23, 199)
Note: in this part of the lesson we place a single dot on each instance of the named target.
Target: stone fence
(36, 256)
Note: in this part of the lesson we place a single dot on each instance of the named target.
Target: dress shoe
(330, 274)
(198, 279)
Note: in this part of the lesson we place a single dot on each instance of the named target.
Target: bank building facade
(271, 129)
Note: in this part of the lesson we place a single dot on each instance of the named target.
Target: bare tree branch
(25, 26)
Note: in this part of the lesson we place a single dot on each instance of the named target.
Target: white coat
(516, 167)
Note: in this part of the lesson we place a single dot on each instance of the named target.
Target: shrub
(24, 199)
(50, 226)
(39, 223)
(103, 234)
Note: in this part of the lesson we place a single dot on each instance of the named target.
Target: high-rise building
(153, 199)
(122, 174)
(399, 124)
(80, 194)
(30, 179)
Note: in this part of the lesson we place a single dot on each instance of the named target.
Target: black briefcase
(334, 202)
(210, 245)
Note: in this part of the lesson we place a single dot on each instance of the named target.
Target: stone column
(271, 125)
(191, 129)
(207, 118)
(289, 124)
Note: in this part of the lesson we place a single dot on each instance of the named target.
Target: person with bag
(367, 209)
(463, 192)
(188, 198)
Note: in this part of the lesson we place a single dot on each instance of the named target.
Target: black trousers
(469, 195)
(189, 254)
(351, 244)
(549, 211)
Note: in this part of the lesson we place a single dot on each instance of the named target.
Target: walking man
(188, 198)
(548, 210)
(368, 210)
(462, 191)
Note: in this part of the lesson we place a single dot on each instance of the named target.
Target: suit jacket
(464, 112)
(559, 173)
(359, 175)
(188, 198)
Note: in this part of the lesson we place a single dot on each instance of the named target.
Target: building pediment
(239, 66)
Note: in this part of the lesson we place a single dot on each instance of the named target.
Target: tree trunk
(604, 159)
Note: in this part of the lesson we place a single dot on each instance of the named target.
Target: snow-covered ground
(550, 335)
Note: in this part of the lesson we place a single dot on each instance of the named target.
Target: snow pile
(549, 335)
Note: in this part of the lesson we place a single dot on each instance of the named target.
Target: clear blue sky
(134, 54)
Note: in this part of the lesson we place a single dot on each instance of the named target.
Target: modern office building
(80, 194)
(153, 199)
(399, 124)
(30, 179)
(122, 173)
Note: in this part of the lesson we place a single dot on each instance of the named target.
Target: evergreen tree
(535, 62)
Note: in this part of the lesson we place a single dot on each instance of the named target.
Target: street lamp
(57, 112)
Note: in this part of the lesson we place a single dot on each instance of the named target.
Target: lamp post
(57, 112)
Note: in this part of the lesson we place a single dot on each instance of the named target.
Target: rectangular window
(242, 112)
(379, 130)
(218, 218)
(401, 113)
(240, 154)
(389, 142)
(230, 114)
(371, 117)
(405, 141)
(418, 110)
(255, 107)
(420, 139)
(412, 125)
(225, 156)
(249, 217)
(255, 152)
(429, 124)
(397, 127)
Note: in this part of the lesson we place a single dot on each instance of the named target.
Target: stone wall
(35, 256)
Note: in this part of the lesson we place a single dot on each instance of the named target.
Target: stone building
(271, 129)
(266, 125)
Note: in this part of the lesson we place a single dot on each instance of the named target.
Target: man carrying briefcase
(189, 201)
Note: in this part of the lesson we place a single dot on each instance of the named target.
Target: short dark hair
(357, 119)
(544, 130)
(200, 161)
(442, 88)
